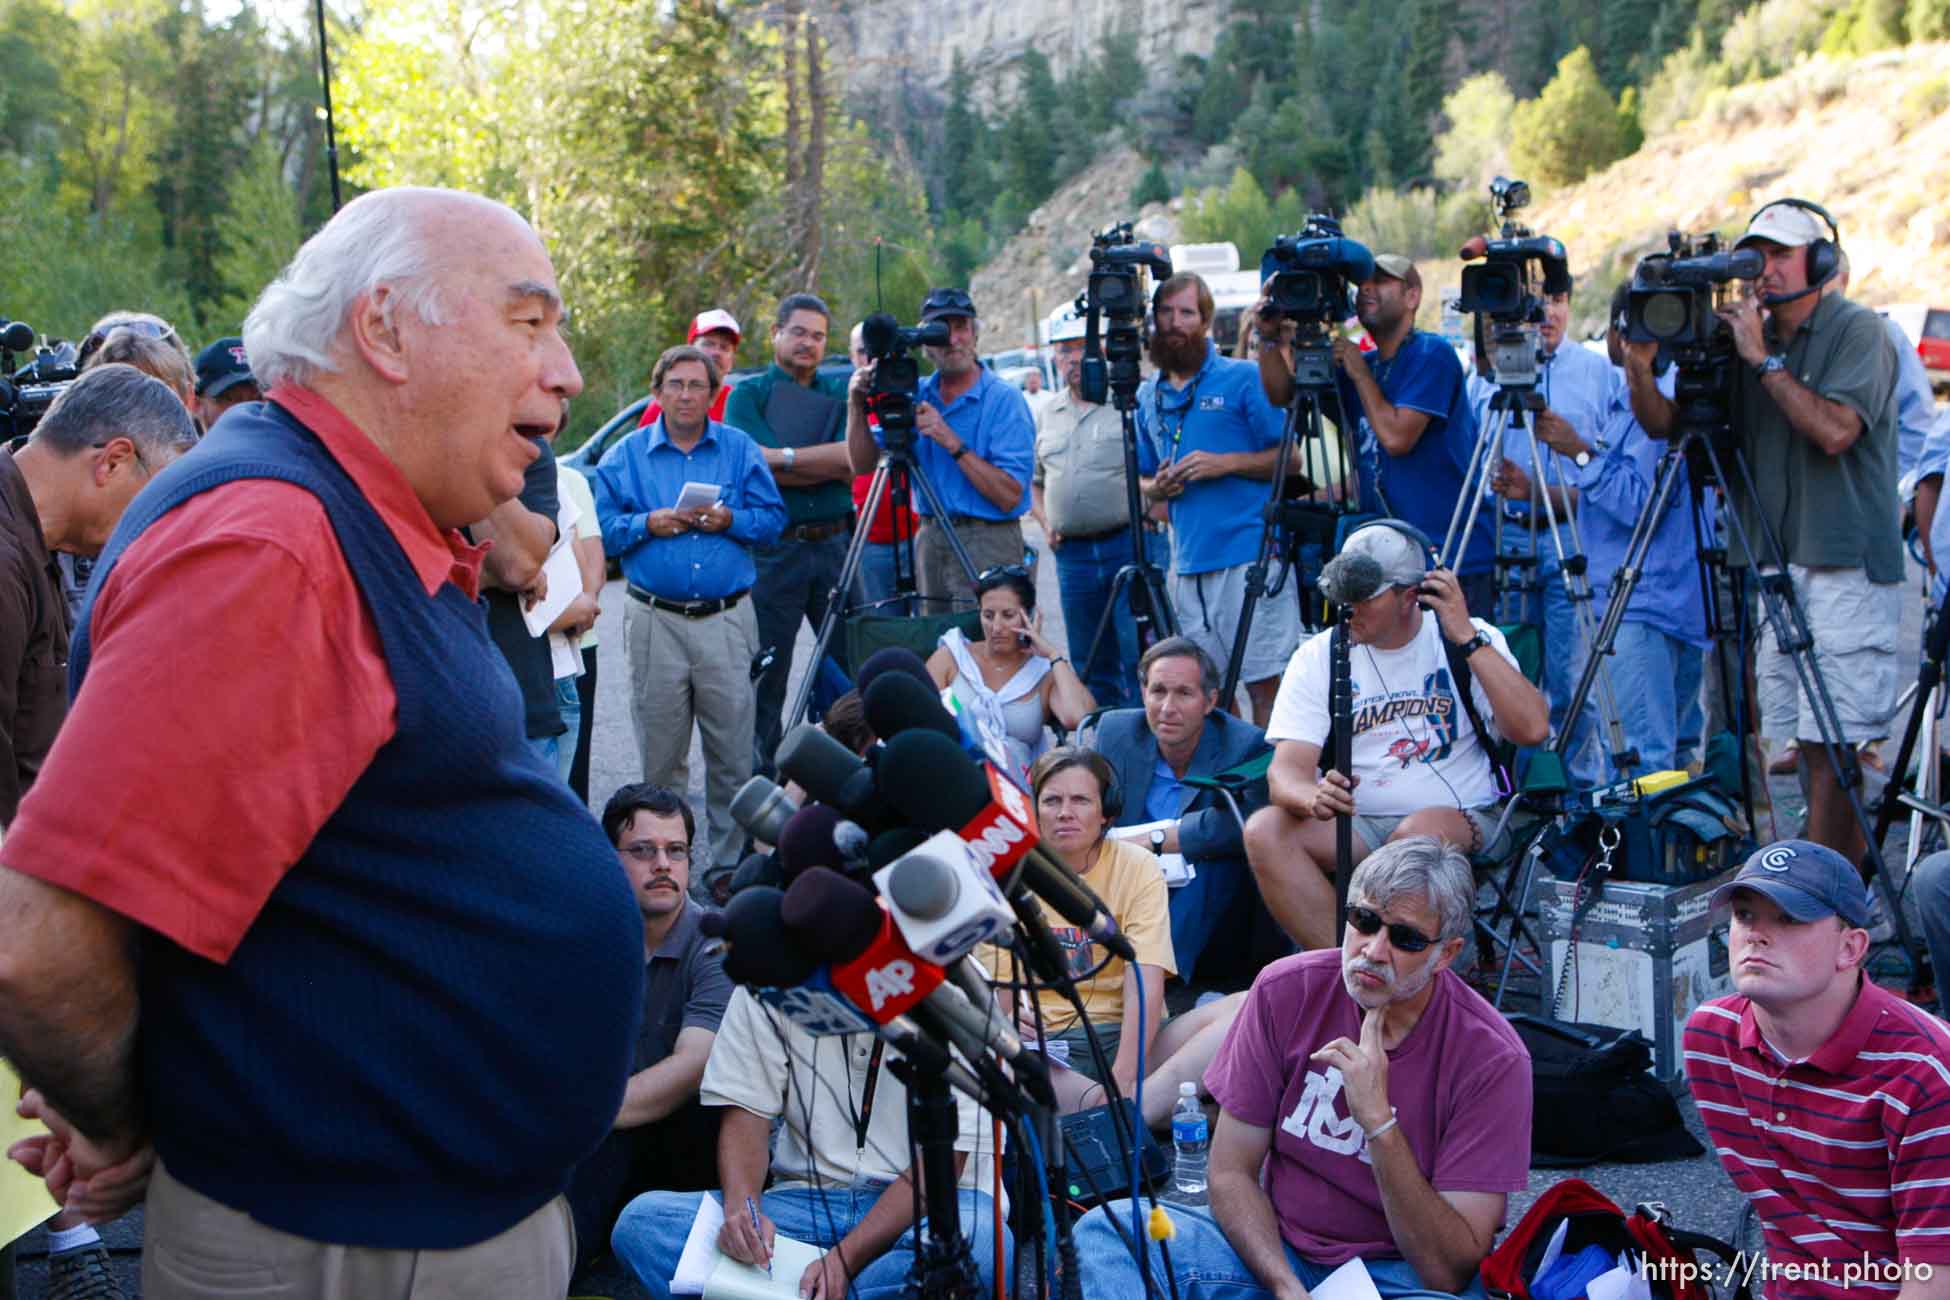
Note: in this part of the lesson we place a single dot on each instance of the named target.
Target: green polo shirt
(1828, 510)
(746, 410)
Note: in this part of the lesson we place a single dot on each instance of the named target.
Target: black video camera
(1113, 304)
(1312, 276)
(895, 373)
(1675, 295)
(27, 392)
(1499, 290)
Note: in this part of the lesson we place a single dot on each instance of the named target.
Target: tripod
(1509, 409)
(944, 1263)
(1695, 443)
(1141, 582)
(1289, 526)
(899, 470)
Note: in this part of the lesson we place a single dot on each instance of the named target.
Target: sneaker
(81, 1275)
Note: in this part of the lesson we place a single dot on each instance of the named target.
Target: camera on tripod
(1499, 289)
(27, 392)
(896, 374)
(1113, 303)
(1312, 276)
(1676, 295)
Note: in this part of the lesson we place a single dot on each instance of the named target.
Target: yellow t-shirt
(1132, 885)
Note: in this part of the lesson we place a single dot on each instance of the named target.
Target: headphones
(1824, 255)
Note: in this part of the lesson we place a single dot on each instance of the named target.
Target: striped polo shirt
(1845, 1155)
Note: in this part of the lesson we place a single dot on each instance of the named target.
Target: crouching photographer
(1813, 418)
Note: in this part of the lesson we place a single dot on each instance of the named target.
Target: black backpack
(1594, 1097)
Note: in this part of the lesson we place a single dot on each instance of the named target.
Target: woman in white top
(1013, 680)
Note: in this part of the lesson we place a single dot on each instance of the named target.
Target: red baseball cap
(715, 319)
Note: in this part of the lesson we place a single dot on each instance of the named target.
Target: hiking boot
(81, 1275)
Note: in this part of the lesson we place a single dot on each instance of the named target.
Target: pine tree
(965, 179)
(1573, 128)
(1152, 187)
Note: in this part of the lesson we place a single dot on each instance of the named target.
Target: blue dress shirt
(1915, 406)
(1214, 521)
(993, 419)
(645, 472)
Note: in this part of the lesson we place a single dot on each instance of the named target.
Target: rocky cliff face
(900, 41)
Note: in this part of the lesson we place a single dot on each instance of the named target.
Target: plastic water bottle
(1189, 1140)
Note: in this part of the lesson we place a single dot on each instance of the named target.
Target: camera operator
(1406, 415)
(1207, 443)
(977, 446)
(1815, 417)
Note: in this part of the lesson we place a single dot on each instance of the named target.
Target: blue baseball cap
(1806, 880)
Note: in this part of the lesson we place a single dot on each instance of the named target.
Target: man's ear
(116, 453)
(372, 328)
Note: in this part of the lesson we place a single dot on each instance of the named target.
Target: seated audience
(1013, 680)
(1371, 1106)
(1070, 787)
(1822, 1092)
(663, 1137)
(1181, 733)
(1420, 766)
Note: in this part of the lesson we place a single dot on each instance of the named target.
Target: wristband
(1380, 1129)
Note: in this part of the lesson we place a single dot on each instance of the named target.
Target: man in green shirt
(803, 436)
(1815, 418)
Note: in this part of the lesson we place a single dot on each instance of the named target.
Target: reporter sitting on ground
(1012, 680)
(1418, 761)
(1070, 787)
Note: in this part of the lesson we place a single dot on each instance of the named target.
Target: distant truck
(1929, 327)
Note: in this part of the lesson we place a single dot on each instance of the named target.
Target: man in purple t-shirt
(1372, 1106)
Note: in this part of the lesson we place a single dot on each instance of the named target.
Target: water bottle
(1189, 1141)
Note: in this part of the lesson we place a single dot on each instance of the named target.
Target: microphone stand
(944, 1262)
(1340, 705)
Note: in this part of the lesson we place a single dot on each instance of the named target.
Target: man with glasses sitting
(663, 1138)
(1372, 1106)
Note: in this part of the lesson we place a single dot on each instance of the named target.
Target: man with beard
(977, 445)
(1346, 1076)
(1207, 442)
(663, 1138)
(1406, 415)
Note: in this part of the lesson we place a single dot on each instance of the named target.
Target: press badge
(1212, 402)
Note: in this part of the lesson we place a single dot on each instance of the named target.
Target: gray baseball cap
(1806, 880)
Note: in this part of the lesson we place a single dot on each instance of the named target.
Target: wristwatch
(1157, 841)
(958, 452)
(791, 454)
(1772, 365)
(1582, 459)
(1474, 643)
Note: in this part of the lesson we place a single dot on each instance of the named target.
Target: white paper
(698, 496)
(700, 1249)
(1348, 1282)
(1178, 872)
(564, 656)
(1552, 1248)
(564, 577)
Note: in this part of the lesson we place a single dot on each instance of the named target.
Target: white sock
(62, 1240)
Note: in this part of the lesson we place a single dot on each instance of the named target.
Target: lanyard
(1158, 413)
(865, 1116)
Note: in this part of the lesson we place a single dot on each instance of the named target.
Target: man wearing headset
(1815, 419)
(1419, 758)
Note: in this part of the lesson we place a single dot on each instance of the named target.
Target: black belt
(688, 608)
(1118, 531)
(817, 532)
(969, 521)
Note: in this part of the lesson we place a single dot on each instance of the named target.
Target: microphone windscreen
(807, 841)
(896, 703)
(759, 950)
(1349, 579)
(930, 781)
(923, 886)
(888, 845)
(756, 869)
(820, 764)
(832, 918)
(892, 659)
(879, 333)
(761, 807)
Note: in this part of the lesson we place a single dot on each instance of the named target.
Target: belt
(688, 608)
(1118, 530)
(972, 521)
(813, 532)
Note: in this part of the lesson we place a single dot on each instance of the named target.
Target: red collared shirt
(1846, 1155)
(236, 691)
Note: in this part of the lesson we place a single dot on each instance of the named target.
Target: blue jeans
(549, 748)
(1549, 610)
(1084, 570)
(1932, 888)
(650, 1235)
(1657, 680)
(1206, 1265)
(568, 701)
(874, 580)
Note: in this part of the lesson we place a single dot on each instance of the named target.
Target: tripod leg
(837, 603)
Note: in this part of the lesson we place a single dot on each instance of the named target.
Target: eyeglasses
(651, 852)
(686, 386)
(145, 326)
(1001, 571)
(1404, 938)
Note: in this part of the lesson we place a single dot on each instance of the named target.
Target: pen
(752, 1207)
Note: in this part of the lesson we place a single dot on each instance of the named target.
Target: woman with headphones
(1077, 800)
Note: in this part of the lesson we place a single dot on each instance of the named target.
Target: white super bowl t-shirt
(1414, 747)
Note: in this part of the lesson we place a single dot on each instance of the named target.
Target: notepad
(705, 1270)
(697, 496)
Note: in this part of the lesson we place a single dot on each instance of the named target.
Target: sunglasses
(153, 329)
(1003, 571)
(1404, 938)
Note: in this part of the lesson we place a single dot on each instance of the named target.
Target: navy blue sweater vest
(430, 1021)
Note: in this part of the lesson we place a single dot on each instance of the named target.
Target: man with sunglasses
(1372, 1106)
(663, 1138)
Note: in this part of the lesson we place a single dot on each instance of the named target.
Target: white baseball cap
(1784, 224)
(715, 319)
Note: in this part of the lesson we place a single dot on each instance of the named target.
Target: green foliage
(1417, 223)
(1927, 20)
(1152, 187)
(1242, 215)
(101, 262)
(1475, 147)
(1573, 128)
(1679, 89)
(256, 236)
(1865, 25)
(1924, 101)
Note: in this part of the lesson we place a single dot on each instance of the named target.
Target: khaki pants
(196, 1249)
(685, 670)
(942, 582)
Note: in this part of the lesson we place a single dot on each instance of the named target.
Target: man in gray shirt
(1815, 417)
(1079, 497)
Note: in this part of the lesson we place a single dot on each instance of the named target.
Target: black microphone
(817, 836)
(834, 775)
(762, 808)
(757, 949)
(893, 659)
(949, 791)
(756, 869)
(896, 703)
(1350, 578)
(891, 844)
